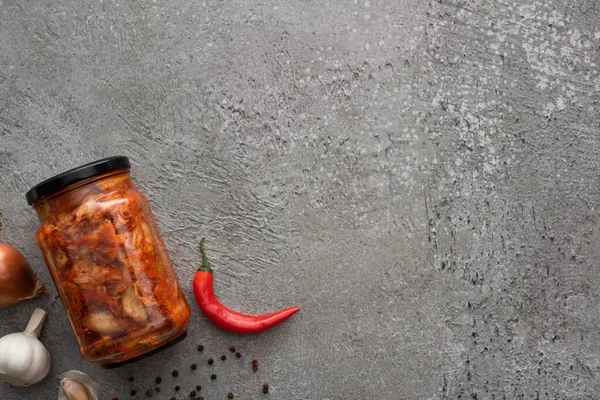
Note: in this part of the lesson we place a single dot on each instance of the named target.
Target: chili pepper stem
(205, 264)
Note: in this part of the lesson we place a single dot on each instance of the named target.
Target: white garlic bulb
(75, 385)
(24, 360)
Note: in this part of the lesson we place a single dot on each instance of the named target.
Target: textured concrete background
(420, 176)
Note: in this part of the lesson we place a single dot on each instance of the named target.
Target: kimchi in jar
(108, 262)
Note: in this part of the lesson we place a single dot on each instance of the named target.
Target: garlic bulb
(75, 385)
(24, 360)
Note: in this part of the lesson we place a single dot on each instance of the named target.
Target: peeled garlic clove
(75, 385)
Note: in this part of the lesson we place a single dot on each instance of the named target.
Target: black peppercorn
(223, 358)
(198, 387)
(175, 373)
(213, 377)
(194, 366)
(177, 388)
(130, 379)
(210, 361)
(133, 392)
(200, 347)
(238, 354)
(173, 398)
(193, 394)
(158, 380)
(266, 388)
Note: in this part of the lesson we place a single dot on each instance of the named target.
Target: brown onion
(17, 279)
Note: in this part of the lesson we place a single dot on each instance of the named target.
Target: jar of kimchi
(108, 262)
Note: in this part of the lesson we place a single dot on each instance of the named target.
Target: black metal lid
(74, 175)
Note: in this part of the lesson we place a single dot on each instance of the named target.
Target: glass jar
(108, 262)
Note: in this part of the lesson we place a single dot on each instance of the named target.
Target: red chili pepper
(223, 317)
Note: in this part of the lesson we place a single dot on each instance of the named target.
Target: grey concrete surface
(421, 177)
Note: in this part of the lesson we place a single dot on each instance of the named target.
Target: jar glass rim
(83, 172)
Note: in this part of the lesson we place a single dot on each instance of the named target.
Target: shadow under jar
(108, 262)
